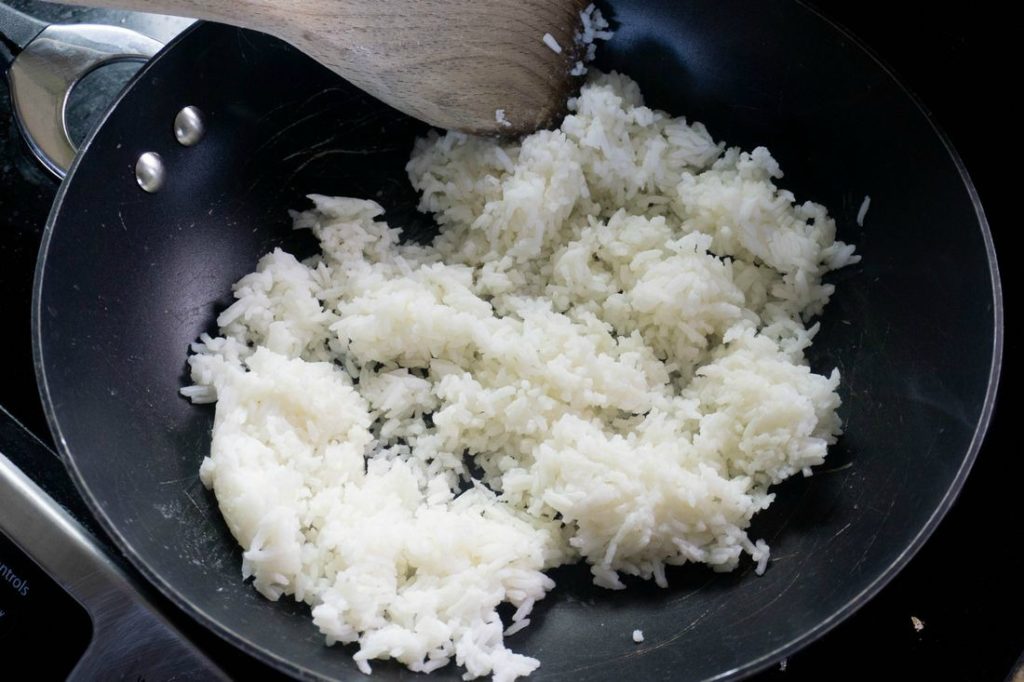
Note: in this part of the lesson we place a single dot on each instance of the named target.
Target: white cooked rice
(593, 27)
(863, 210)
(550, 41)
(611, 326)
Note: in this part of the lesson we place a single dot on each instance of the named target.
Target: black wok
(126, 280)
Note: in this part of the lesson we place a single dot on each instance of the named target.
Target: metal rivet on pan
(188, 126)
(150, 172)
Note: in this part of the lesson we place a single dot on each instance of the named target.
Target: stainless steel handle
(131, 640)
(47, 68)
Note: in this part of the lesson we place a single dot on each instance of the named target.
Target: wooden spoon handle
(452, 63)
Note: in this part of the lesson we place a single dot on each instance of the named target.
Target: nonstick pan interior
(126, 280)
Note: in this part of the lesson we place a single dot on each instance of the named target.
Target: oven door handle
(131, 640)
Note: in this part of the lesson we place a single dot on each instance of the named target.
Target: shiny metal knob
(150, 172)
(189, 127)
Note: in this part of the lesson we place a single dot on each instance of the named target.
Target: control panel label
(8, 576)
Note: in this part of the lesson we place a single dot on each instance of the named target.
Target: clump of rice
(593, 27)
(610, 327)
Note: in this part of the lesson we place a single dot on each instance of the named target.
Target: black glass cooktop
(956, 601)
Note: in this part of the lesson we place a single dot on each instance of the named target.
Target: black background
(965, 584)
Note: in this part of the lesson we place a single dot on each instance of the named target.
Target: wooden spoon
(451, 63)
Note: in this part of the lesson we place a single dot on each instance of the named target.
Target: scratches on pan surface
(878, 527)
(284, 130)
(644, 650)
(314, 114)
(317, 152)
(766, 605)
(194, 503)
(319, 155)
(191, 478)
(690, 593)
(838, 533)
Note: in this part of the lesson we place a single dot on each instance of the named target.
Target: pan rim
(811, 634)
(168, 590)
